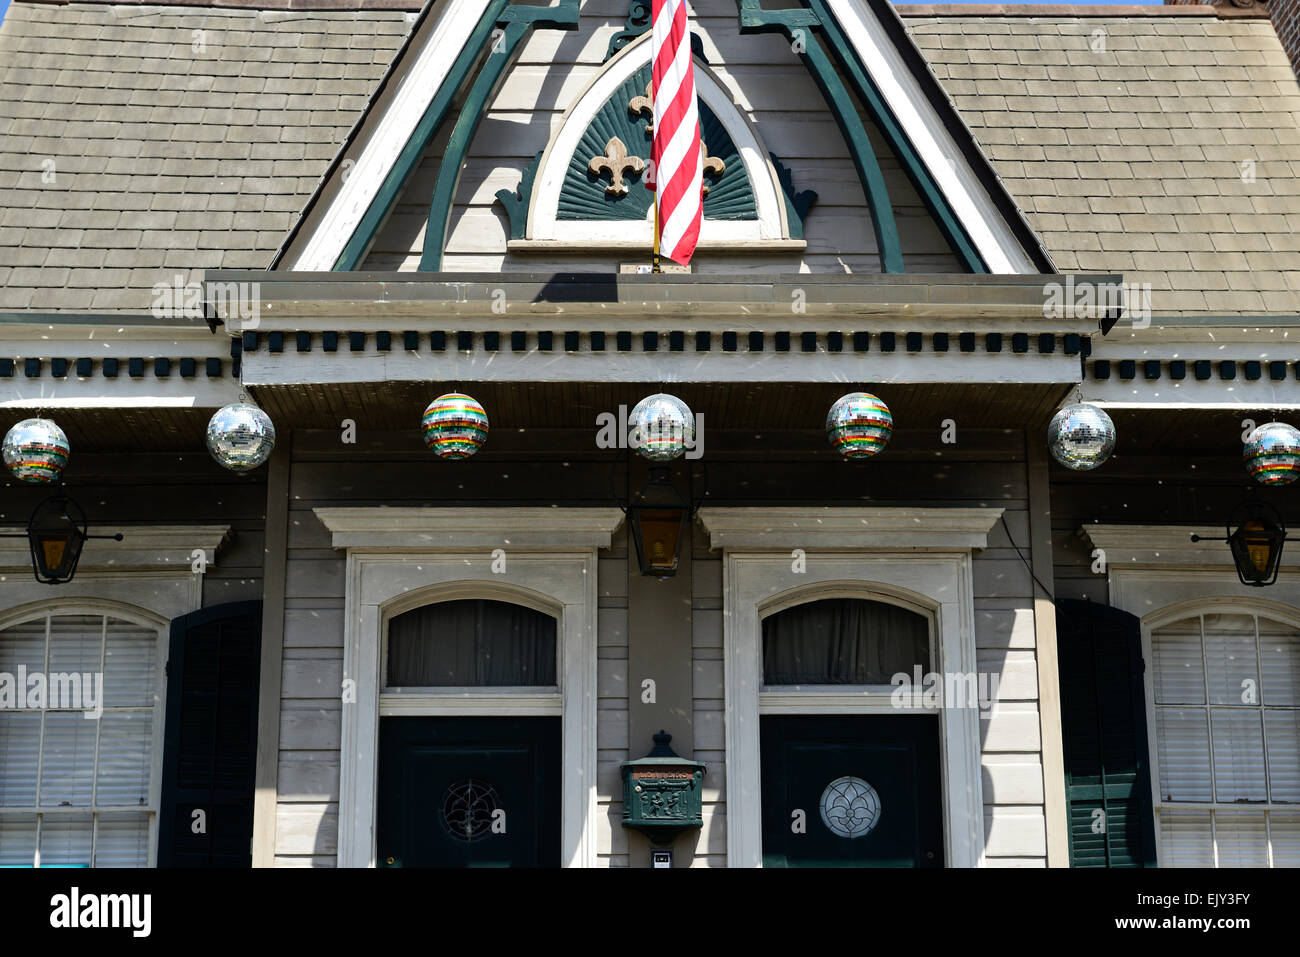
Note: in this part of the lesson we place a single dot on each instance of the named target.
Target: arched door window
(844, 641)
(78, 725)
(471, 643)
(1227, 738)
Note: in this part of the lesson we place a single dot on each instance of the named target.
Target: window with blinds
(75, 789)
(1227, 710)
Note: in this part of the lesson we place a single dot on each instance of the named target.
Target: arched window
(1227, 737)
(471, 643)
(836, 641)
(78, 714)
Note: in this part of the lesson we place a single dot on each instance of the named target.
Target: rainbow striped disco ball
(455, 426)
(35, 451)
(859, 425)
(1272, 454)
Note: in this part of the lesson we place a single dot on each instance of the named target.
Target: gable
(974, 235)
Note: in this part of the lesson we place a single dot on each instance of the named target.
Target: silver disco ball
(241, 437)
(1081, 436)
(665, 427)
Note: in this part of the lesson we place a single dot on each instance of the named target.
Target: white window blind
(77, 791)
(1227, 729)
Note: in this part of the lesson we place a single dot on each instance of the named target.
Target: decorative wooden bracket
(615, 162)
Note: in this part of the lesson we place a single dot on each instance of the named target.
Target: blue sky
(4, 5)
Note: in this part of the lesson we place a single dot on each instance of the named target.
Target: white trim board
(143, 547)
(402, 558)
(920, 557)
(415, 91)
(929, 136)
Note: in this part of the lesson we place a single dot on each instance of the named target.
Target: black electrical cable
(1006, 529)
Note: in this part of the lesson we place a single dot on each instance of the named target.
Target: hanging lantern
(859, 425)
(1272, 454)
(240, 437)
(35, 451)
(455, 426)
(657, 519)
(1256, 543)
(1081, 436)
(664, 427)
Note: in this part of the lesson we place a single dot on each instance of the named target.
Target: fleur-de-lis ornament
(644, 104)
(710, 164)
(616, 162)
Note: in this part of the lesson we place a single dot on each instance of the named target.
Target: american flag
(679, 180)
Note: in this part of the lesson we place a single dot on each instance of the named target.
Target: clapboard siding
(612, 700)
(765, 79)
(988, 469)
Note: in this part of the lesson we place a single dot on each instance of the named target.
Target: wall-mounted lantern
(56, 533)
(657, 518)
(1256, 543)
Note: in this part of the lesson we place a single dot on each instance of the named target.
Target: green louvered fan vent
(584, 196)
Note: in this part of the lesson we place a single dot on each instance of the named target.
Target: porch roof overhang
(936, 301)
(332, 328)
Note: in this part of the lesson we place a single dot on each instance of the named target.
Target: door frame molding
(919, 555)
(398, 556)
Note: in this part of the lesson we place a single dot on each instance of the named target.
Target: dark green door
(469, 792)
(1104, 735)
(851, 791)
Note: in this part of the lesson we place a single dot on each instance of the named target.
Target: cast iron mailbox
(661, 792)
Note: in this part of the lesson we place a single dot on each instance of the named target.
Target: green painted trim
(421, 136)
(517, 22)
(898, 141)
(515, 201)
(797, 202)
(638, 22)
(754, 19)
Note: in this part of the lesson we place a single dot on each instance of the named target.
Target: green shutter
(1104, 731)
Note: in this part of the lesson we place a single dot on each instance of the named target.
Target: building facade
(955, 652)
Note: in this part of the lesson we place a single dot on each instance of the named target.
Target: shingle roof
(1126, 155)
(1128, 143)
(138, 143)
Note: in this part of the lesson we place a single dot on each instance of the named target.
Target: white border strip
(929, 137)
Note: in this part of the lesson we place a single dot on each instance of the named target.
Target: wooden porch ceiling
(727, 407)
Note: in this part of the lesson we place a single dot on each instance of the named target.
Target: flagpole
(655, 267)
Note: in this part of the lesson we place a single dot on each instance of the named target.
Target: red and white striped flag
(679, 179)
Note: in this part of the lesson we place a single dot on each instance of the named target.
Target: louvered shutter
(210, 750)
(1103, 723)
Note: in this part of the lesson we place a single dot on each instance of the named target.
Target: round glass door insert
(850, 807)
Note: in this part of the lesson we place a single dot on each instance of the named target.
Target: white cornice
(850, 528)
(451, 529)
(143, 547)
(1163, 545)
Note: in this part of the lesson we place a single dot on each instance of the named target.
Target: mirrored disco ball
(1272, 453)
(241, 437)
(664, 427)
(455, 426)
(859, 425)
(1081, 436)
(35, 451)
